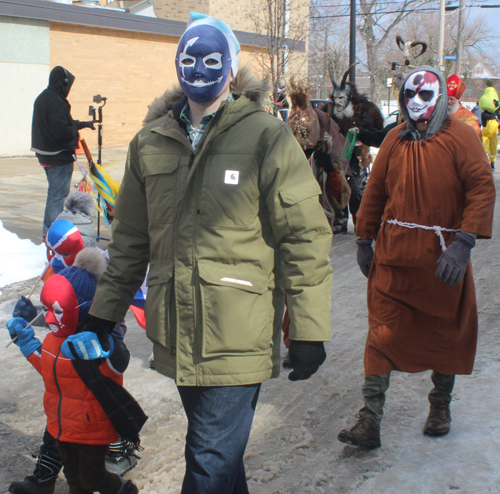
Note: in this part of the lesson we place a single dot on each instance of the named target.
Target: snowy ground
(293, 447)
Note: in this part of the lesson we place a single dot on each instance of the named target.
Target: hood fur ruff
(244, 84)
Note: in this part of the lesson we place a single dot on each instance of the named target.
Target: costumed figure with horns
(348, 109)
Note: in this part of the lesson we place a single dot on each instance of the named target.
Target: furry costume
(350, 109)
(316, 133)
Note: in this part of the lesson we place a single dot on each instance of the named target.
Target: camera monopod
(92, 112)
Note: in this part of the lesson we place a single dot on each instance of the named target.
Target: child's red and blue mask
(60, 306)
(63, 241)
(206, 54)
(66, 299)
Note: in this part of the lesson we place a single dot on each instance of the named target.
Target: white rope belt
(436, 229)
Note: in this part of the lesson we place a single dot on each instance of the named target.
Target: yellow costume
(490, 140)
(489, 103)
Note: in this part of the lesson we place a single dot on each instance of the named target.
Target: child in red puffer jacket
(74, 416)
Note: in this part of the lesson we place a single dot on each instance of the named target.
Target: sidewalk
(23, 191)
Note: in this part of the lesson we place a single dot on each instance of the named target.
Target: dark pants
(357, 186)
(59, 179)
(49, 446)
(375, 388)
(219, 422)
(85, 469)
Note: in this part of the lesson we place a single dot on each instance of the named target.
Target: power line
(347, 5)
(448, 8)
(372, 13)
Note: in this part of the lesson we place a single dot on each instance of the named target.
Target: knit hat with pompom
(83, 277)
(79, 209)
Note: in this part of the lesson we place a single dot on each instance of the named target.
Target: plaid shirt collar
(196, 134)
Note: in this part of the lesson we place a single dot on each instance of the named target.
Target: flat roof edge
(108, 19)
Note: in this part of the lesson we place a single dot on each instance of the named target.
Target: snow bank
(20, 259)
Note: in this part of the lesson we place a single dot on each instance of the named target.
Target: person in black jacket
(373, 138)
(54, 138)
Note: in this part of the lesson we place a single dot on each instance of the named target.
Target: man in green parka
(219, 199)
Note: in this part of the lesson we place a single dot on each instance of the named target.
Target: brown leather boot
(438, 421)
(364, 433)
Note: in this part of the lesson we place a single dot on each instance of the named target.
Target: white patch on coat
(231, 177)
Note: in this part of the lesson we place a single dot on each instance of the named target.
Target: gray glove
(365, 254)
(452, 263)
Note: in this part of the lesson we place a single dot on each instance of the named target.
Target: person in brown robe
(456, 88)
(430, 195)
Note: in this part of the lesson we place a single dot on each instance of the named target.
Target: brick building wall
(129, 68)
(226, 10)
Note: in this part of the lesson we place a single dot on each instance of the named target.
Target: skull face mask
(421, 93)
(206, 53)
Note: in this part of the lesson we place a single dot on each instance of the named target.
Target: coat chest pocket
(230, 192)
(300, 203)
(160, 177)
(236, 311)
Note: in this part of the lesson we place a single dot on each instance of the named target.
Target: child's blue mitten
(26, 340)
(85, 346)
(24, 308)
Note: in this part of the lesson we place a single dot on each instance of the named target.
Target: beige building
(127, 58)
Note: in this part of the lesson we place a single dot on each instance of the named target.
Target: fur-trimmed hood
(245, 84)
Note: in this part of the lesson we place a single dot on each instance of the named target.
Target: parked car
(392, 117)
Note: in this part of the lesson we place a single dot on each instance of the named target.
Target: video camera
(92, 109)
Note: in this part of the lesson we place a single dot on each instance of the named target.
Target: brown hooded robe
(416, 322)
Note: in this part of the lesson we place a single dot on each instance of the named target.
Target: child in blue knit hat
(75, 417)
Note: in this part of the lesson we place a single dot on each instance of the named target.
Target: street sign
(449, 57)
(389, 82)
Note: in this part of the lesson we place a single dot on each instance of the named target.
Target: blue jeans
(59, 179)
(219, 422)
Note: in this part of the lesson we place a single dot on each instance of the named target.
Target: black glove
(453, 262)
(365, 254)
(101, 327)
(324, 161)
(89, 125)
(24, 308)
(305, 358)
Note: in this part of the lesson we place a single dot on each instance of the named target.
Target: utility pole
(440, 62)
(460, 39)
(352, 43)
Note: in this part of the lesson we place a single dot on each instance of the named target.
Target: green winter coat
(227, 230)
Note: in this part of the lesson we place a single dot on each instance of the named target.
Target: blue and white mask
(206, 53)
